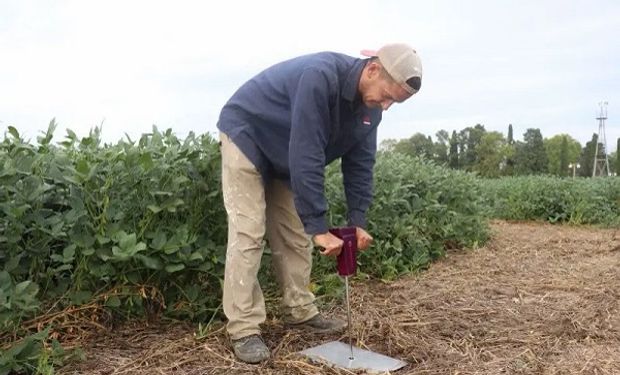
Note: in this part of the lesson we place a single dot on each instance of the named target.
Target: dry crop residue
(537, 299)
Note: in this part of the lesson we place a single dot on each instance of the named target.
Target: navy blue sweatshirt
(295, 117)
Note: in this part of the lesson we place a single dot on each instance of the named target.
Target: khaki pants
(253, 210)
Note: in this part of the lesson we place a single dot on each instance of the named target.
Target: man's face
(382, 92)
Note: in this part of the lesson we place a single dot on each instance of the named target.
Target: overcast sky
(131, 64)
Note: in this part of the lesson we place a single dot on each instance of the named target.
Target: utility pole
(601, 162)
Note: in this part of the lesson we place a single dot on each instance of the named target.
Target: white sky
(132, 64)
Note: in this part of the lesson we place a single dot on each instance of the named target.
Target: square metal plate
(337, 353)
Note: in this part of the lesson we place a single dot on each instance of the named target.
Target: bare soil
(537, 299)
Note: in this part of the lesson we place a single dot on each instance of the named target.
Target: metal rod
(346, 286)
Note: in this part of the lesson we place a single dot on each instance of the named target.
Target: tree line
(491, 154)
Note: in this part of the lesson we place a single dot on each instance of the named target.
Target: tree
(509, 154)
(490, 153)
(441, 146)
(530, 157)
(586, 160)
(558, 162)
(617, 158)
(443, 136)
(613, 163)
(563, 157)
(417, 145)
(469, 139)
(454, 151)
(508, 165)
(387, 145)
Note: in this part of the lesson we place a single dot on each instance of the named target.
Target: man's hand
(363, 239)
(331, 244)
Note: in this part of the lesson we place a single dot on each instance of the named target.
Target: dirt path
(538, 299)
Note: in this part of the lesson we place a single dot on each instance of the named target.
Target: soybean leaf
(150, 262)
(13, 132)
(170, 268)
(113, 301)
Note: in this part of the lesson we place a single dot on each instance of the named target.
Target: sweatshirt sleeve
(357, 172)
(310, 132)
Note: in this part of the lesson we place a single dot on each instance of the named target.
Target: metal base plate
(337, 353)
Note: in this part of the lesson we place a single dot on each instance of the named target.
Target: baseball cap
(402, 64)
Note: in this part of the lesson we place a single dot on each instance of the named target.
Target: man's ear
(373, 70)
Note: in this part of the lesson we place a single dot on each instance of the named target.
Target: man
(278, 132)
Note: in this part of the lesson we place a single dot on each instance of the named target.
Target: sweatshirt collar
(350, 88)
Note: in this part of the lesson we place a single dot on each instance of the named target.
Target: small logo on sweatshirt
(366, 120)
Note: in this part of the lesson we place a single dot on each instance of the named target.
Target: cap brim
(368, 52)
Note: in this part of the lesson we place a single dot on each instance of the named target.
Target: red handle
(347, 260)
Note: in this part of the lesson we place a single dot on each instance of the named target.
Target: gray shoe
(321, 324)
(250, 349)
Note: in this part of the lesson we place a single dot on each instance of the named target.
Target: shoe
(320, 324)
(250, 349)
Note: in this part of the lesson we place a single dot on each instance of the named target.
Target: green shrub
(419, 210)
(554, 199)
(138, 227)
